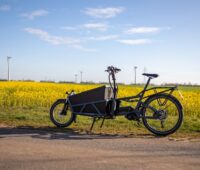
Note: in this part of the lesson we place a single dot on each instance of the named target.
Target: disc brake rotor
(162, 114)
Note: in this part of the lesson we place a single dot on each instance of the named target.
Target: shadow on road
(50, 133)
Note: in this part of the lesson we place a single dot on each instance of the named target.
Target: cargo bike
(160, 112)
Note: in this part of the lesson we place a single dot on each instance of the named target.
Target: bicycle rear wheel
(162, 114)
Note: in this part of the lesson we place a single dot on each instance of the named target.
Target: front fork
(65, 108)
(68, 104)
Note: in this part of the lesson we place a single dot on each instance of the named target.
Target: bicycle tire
(177, 105)
(53, 119)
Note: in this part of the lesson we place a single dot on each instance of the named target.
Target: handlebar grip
(117, 69)
(112, 69)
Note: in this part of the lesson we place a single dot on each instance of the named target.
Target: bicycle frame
(137, 98)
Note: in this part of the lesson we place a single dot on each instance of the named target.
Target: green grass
(39, 117)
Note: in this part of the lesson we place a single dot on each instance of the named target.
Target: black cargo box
(92, 101)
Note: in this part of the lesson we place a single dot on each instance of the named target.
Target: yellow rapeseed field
(36, 94)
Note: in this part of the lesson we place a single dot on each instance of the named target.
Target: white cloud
(140, 30)
(85, 49)
(5, 8)
(109, 12)
(36, 13)
(96, 26)
(58, 40)
(69, 28)
(103, 38)
(55, 40)
(89, 26)
(134, 41)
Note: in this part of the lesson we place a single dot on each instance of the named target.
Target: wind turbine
(8, 62)
(81, 73)
(75, 77)
(135, 68)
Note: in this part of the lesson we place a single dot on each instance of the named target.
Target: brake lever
(117, 69)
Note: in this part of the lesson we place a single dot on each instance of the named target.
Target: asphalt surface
(27, 149)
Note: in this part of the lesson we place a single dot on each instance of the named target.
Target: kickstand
(138, 123)
(94, 120)
(102, 123)
(75, 120)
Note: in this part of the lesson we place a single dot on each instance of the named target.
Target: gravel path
(26, 148)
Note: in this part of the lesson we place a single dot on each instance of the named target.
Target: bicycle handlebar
(112, 69)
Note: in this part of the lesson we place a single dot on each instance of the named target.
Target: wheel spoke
(159, 102)
(167, 106)
(162, 124)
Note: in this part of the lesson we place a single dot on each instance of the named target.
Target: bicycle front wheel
(162, 114)
(61, 114)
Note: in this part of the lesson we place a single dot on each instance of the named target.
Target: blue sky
(54, 40)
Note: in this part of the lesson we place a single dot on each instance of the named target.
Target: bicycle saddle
(150, 75)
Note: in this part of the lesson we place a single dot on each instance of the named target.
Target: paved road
(28, 148)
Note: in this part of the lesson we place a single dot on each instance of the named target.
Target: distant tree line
(106, 83)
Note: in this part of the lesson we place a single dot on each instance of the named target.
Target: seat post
(148, 81)
(142, 93)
